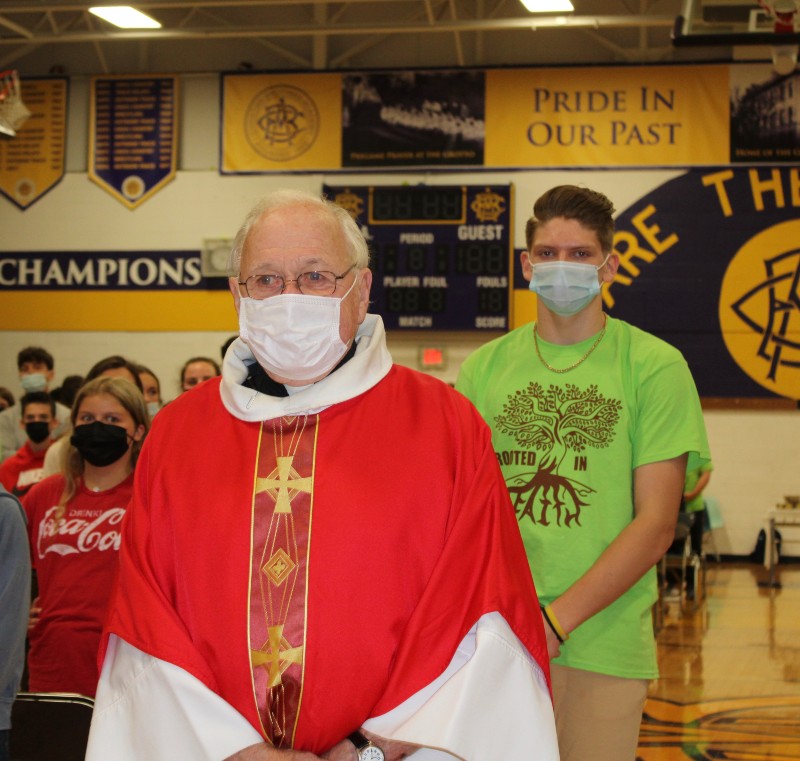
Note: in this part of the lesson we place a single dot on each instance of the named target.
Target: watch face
(371, 753)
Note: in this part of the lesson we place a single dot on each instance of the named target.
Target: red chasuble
(318, 570)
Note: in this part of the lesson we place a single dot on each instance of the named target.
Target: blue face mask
(33, 382)
(565, 287)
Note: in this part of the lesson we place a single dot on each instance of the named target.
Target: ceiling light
(548, 6)
(125, 17)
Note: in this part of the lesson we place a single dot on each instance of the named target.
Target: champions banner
(33, 162)
(120, 290)
(133, 135)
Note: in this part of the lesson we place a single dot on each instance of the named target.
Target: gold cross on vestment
(287, 482)
(274, 659)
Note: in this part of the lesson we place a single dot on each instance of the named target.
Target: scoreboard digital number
(440, 255)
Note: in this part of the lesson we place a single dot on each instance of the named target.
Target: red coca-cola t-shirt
(75, 558)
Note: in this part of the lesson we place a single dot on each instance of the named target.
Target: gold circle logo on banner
(759, 308)
(282, 122)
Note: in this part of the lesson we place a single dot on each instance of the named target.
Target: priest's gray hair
(281, 199)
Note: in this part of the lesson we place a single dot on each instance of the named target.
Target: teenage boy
(35, 366)
(25, 467)
(593, 422)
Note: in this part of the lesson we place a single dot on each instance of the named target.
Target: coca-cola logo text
(71, 534)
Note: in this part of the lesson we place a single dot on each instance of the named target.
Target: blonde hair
(132, 400)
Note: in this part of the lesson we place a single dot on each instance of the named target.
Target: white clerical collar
(370, 365)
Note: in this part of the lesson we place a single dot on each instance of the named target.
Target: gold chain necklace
(574, 364)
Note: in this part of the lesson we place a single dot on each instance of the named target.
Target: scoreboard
(440, 254)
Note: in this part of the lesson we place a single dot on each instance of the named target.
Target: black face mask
(100, 444)
(37, 432)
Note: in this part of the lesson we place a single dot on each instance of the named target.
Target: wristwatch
(366, 749)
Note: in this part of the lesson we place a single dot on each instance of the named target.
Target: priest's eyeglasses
(317, 283)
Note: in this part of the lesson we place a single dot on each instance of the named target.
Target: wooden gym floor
(730, 672)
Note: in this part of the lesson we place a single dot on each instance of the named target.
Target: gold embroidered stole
(281, 528)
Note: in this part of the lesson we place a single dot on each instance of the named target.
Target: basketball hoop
(13, 113)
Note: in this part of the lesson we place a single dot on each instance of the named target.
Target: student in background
(6, 398)
(695, 506)
(65, 393)
(25, 467)
(15, 595)
(74, 522)
(114, 366)
(151, 388)
(36, 369)
(196, 370)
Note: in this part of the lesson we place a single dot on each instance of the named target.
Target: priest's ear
(233, 284)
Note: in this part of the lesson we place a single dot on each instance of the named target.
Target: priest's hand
(393, 750)
(265, 752)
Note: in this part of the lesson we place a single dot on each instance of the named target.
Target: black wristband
(357, 739)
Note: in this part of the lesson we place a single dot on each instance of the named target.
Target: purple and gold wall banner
(280, 123)
(710, 262)
(628, 116)
(32, 163)
(133, 135)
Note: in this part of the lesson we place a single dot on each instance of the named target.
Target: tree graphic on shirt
(554, 422)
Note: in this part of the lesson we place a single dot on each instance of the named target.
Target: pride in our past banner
(651, 116)
(625, 116)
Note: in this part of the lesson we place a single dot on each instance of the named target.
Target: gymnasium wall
(754, 449)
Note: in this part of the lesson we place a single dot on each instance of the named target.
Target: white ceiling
(41, 37)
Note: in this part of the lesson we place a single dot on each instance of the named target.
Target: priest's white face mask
(294, 335)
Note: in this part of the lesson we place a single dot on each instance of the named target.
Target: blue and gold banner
(721, 283)
(33, 162)
(133, 135)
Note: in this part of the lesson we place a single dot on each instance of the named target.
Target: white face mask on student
(293, 335)
(565, 287)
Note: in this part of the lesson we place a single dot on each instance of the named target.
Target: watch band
(358, 740)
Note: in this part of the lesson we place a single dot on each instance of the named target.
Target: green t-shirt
(692, 477)
(567, 445)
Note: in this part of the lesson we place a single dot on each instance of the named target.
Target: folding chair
(50, 726)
